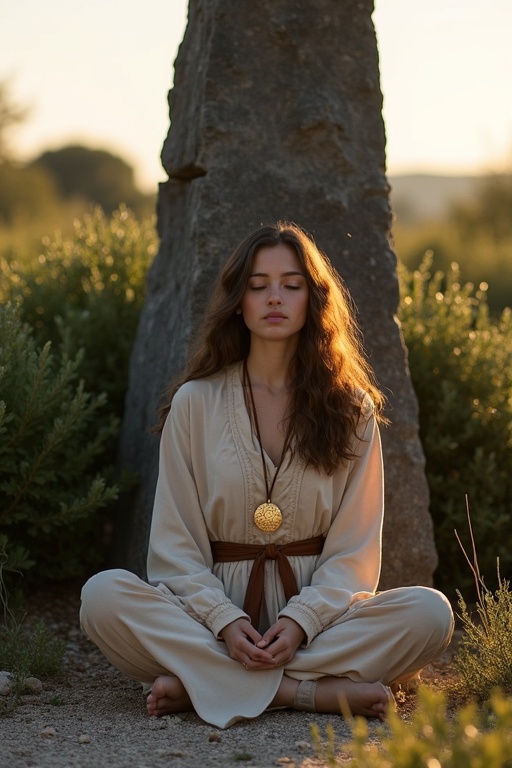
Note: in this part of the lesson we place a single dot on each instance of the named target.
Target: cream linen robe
(210, 482)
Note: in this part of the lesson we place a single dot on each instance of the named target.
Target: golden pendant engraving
(268, 517)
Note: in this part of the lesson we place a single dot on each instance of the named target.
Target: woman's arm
(179, 554)
(348, 568)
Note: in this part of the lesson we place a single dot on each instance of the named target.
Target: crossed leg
(149, 637)
(168, 695)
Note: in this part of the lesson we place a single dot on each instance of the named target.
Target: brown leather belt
(231, 552)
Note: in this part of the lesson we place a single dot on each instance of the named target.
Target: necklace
(267, 516)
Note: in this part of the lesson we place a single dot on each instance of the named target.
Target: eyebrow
(283, 274)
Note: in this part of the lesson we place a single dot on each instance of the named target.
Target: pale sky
(98, 72)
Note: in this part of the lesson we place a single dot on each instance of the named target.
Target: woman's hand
(282, 640)
(242, 643)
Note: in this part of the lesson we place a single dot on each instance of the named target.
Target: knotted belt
(231, 552)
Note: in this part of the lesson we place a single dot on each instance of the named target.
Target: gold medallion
(268, 517)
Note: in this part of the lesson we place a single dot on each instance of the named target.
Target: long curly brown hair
(330, 373)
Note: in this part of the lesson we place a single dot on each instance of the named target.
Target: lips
(274, 316)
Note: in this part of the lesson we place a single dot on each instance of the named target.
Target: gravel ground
(93, 717)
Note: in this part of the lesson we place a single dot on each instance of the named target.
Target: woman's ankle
(285, 693)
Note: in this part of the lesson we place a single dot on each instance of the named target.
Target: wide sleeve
(349, 567)
(179, 554)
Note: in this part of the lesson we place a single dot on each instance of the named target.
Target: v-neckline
(289, 480)
(249, 433)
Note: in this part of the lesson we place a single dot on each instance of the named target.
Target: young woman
(265, 545)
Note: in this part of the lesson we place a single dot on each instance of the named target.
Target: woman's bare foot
(367, 699)
(167, 696)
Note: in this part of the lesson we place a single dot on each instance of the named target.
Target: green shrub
(472, 738)
(85, 292)
(48, 492)
(24, 652)
(484, 657)
(27, 653)
(461, 368)
(30, 652)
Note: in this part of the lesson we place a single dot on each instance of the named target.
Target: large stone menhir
(276, 114)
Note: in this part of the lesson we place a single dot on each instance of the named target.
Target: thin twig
(479, 582)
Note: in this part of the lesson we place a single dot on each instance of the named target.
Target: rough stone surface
(32, 685)
(6, 683)
(276, 114)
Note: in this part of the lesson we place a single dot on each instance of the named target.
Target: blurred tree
(96, 176)
(26, 193)
(489, 214)
(11, 115)
(477, 234)
(49, 193)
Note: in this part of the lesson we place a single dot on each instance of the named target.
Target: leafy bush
(472, 738)
(461, 368)
(30, 652)
(484, 657)
(24, 652)
(83, 295)
(48, 491)
(27, 653)
(85, 292)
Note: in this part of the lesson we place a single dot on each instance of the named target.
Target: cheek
(305, 306)
(247, 304)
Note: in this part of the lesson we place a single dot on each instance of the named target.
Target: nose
(274, 297)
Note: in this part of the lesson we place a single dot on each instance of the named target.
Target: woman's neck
(269, 367)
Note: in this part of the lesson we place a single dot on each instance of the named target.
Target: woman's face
(275, 302)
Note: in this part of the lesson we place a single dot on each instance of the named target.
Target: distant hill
(418, 197)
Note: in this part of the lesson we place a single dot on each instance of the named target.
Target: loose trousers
(145, 632)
